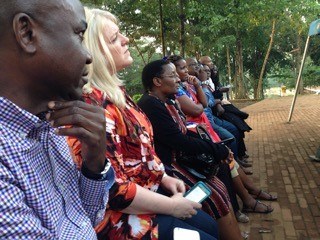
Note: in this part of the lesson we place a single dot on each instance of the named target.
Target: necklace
(155, 96)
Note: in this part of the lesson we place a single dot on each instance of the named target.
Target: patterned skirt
(218, 204)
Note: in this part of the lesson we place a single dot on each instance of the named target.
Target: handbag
(203, 166)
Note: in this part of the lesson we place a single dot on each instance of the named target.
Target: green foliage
(213, 25)
(136, 97)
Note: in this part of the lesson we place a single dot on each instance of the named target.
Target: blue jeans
(228, 126)
(225, 130)
(241, 147)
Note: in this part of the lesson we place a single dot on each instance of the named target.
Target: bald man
(206, 60)
(42, 71)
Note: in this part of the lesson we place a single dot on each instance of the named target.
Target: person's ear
(24, 30)
(156, 81)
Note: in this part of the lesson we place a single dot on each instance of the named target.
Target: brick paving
(280, 155)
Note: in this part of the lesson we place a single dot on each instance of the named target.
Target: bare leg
(247, 182)
(228, 227)
(252, 189)
(247, 199)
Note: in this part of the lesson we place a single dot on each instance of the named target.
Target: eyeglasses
(193, 64)
(207, 70)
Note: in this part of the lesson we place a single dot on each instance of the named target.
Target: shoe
(262, 195)
(243, 159)
(246, 171)
(245, 235)
(243, 163)
(247, 209)
(241, 217)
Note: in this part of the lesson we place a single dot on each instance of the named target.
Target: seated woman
(136, 210)
(192, 101)
(242, 184)
(161, 81)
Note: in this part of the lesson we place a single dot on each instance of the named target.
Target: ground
(280, 155)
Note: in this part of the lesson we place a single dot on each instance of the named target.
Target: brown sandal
(247, 209)
(260, 196)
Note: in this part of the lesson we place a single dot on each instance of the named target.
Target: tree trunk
(162, 29)
(240, 89)
(137, 47)
(260, 83)
(229, 70)
(182, 17)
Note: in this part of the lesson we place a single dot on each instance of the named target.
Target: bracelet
(96, 176)
(206, 82)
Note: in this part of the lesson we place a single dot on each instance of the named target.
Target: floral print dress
(129, 147)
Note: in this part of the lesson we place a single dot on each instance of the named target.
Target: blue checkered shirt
(42, 194)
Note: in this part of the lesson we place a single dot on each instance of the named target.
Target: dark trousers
(201, 222)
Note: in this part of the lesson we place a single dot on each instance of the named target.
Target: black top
(168, 137)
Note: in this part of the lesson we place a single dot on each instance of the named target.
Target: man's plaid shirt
(42, 194)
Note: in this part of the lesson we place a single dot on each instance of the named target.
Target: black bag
(202, 166)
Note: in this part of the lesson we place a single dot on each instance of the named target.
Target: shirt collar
(18, 119)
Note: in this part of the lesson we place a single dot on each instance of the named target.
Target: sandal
(260, 196)
(247, 209)
(241, 217)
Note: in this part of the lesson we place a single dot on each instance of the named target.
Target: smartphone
(185, 234)
(198, 193)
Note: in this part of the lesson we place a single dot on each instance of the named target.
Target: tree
(242, 36)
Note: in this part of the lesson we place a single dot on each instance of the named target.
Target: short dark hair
(174, 59)
(152, 70)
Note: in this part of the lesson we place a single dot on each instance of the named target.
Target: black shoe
(243, 163)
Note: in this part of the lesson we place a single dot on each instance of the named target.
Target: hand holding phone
(198, 193)
(183, 208)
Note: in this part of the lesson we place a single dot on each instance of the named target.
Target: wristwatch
(206, 82)
(96, 176)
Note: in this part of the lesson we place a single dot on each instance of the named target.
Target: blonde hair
(100, 76)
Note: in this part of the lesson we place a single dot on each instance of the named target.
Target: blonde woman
(137, 209)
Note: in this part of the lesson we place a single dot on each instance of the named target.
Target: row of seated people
(208, 99)
(171, 135)
(138, 200)
(146, 201)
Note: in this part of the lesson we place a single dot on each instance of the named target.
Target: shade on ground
(280, 154)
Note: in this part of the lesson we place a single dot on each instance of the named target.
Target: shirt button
(38, 124)
(61, 187)
(84, 224)
(22, 135)
(100, 214)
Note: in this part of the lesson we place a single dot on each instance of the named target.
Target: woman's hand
(193, 80)
(173, 185)
(183, 208)
(230, 158)
(220, 110)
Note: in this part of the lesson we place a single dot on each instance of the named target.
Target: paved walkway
(281, 165)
